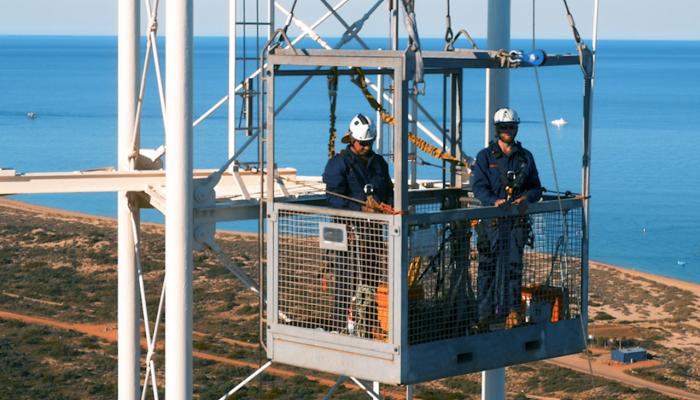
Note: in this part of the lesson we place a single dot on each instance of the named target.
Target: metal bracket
(203, 229)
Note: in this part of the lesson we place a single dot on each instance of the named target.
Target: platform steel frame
(134, 186)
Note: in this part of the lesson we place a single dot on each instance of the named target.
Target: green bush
(603, 316)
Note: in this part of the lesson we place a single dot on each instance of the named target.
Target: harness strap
(433, 150)
(358, 78)
(413, 39)
(509, 185)
(370, 202)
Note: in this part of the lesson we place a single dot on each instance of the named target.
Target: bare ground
(61, 267)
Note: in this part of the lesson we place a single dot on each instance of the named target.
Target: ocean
(645, 204)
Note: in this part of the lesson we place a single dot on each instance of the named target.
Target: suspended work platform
(400, 298)
(395, 299)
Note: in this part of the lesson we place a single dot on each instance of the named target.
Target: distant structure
(559, 122)
(629, 355)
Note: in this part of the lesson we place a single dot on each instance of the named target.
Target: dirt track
(107, 332)
(579, 363)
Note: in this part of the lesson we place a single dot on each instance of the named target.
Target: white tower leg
(178, 216)
(493, 382)
(497, 80)
(127, 291)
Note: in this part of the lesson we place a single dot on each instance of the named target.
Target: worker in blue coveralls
(504, 175)
(357, 173)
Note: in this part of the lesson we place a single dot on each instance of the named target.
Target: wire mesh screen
(469, 277)
(436, 201)
(332, 274)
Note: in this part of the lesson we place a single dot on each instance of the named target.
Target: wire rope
(449, 35)
(550, 151)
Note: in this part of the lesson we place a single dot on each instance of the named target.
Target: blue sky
(619, 19)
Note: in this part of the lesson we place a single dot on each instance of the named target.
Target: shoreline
(18, 205)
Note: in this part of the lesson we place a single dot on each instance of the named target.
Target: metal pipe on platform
(378, 115)
(231, 81)
(178, 217)
(127, 289)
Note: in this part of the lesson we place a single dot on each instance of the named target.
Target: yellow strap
(359, 79)
(432, 150)
(413, 270)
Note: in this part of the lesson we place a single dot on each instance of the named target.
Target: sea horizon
(69, 81)
(441, 38)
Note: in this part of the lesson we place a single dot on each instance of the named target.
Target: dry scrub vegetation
(63, 266)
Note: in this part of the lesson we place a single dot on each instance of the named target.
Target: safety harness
(511, 180)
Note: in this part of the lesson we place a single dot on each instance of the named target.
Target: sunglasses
(365, 143)
(506, 127)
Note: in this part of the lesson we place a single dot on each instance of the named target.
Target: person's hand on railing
(521, 199)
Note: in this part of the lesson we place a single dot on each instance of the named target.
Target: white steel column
(231, 80)
(497, 80)
(493, 382)
(271, 20)
(394, 24)
(178, 216)
(127, 288)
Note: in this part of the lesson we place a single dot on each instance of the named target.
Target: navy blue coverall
(346, 174)
(501, 241)
(357, 270)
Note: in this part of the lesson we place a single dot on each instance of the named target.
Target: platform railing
(484, 269)
(332, 270)
(426, 295)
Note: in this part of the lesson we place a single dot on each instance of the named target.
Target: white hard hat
(360, 129)
(506, 115)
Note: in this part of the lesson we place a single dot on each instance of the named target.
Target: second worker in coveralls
(504, 174)
(359, 173)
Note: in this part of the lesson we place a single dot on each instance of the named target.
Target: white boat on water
(559, 122)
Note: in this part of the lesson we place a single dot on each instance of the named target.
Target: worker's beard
(506, 138)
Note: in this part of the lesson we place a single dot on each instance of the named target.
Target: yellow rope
(432, 150)
(415, 289)
(359, 80)
(413, 271)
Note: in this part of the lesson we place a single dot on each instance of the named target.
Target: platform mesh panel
(338, 291)
(471, 277)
